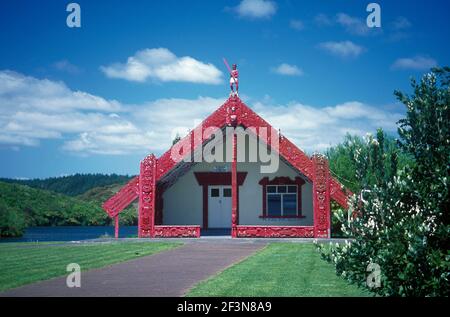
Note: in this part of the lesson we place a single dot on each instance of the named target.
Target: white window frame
(281, 194)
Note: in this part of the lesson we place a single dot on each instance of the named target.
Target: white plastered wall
(183, 200)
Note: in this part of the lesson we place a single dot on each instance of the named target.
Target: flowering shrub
(400, 221)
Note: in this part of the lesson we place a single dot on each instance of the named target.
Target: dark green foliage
(401, 221)
(343, 165)
(425, 133)
(22, 205)
(12, 224)
(338, 216)
(72, 185)
(176, 139)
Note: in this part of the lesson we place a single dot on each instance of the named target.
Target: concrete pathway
(169, 273)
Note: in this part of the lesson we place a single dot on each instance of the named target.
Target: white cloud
(20, 92)
(354, 25)
(156, 124)
(414, 63)
(98, 142)
(34, 109)
(401, 23)
(322, 20)
(287, 70)
(317, 128)
(66, 66)
(399, 29)
(161, 64)
(256, 9)
(296, 24)
(343, 49)
(151, 126)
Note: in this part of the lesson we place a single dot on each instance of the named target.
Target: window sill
(282, 217)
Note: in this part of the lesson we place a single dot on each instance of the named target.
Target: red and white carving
(147, 191)
(275, 231)
(177, 232)
(125, 196)
(321, 197)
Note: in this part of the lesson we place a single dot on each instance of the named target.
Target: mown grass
(22, 264)
(280, 269)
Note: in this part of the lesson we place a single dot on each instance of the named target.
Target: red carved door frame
(206, 179)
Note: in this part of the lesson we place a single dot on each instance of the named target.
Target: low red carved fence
(275, 231)
(177, 232)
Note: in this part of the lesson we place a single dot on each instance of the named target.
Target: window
(215, 192)
(282, 200)
(227, 192)
(274, 203)
(282, 197)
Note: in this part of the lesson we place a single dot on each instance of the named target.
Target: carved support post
(147, 197)
(321, 197)
(232, 119)
(234, 189)
(116, 227)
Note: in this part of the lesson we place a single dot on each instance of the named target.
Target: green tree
(343, 164)
(72, 185)
(401, 218)
(12, 223)
(176, 139)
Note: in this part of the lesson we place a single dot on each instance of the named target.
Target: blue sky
(100, 97)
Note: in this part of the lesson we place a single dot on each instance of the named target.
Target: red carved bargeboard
(177, 232)
(274, 231)
(338, 194)
(125, 196)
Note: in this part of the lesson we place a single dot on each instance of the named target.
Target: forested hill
(72, 185)
(22, 206)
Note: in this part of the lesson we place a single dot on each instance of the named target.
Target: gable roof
(246, 117)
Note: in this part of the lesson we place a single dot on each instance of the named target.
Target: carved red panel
(275, 231)
(338, 193)
(321, 197)
(234, 187)
(147, 190)
(125, 196)
(177, 232)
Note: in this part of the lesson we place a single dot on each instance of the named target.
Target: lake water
(34, 234)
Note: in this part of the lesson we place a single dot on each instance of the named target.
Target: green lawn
(280, 269)
(27, 263)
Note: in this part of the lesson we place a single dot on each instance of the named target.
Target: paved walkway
(169, 273)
